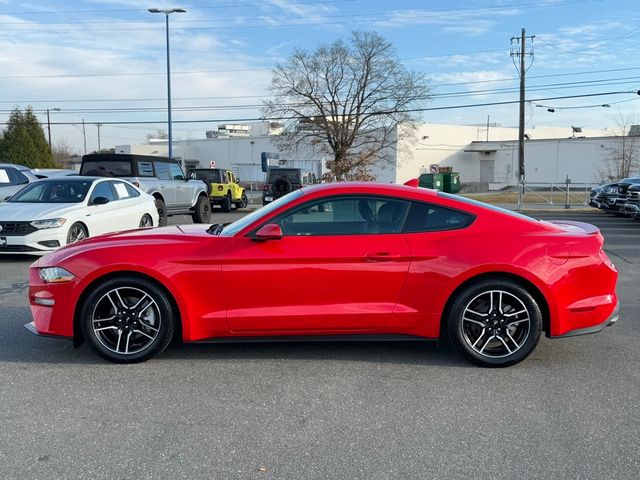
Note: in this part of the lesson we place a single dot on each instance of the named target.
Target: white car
(54, 212)
(13, 178)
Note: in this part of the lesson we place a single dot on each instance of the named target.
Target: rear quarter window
(424, 217)
(145, 169)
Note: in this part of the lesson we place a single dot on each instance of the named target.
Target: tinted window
(111, 168)
(176, 172)
(427, 218)
(103, 189)
(145, 169)
(17, 177)
(132, 191)
(53, 192)
(487, 206)
(346, 216)
(162, 170)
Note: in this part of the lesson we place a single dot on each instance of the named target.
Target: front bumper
(613, 318)
(30, 244)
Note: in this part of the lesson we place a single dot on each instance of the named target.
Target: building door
(486, 171)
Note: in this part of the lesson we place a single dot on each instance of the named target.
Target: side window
(145, 169)
(4, 177)
(428, 218)
(176, 172)
(162, 170)
(346, 216)
(132, 191)
(121, 190)
(19, 178)
(102, 189)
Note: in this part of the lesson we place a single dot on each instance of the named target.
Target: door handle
(382, 257)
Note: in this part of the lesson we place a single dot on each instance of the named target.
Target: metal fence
(549, 193)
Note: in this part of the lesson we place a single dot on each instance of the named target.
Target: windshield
(53, 192)
(241, 224)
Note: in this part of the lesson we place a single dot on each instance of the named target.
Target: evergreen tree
(23, 141)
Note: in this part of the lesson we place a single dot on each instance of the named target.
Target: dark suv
(281, 181)
(161, 177)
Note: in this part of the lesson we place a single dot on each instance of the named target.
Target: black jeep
(281, 181)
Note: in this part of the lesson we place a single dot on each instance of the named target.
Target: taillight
(220, 188)
(265, 188)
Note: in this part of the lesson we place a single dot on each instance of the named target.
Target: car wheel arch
(525, 283)
(77, 333)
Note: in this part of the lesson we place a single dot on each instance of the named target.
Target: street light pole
(168, 12)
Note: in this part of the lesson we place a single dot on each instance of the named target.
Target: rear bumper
(613, 318)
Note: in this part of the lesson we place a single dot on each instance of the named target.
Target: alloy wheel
(496, 324)
(126, 320)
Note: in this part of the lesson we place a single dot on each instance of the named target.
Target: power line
(411, 110)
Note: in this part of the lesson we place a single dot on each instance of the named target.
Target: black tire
(148, 332)
(510, 336)
(243, 201)
(162, 212)
(77, 232)
(202, 210)
(226, 203)
(282, 186)
(146, 221)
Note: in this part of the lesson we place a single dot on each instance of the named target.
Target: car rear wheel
(127, 320)
(495, 323)
(202, 210)
(76, 233)
(226, 203)
(162, 212)
(243, 201)
(146, 221)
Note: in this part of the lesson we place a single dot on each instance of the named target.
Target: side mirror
(270, 231)
(100, 201)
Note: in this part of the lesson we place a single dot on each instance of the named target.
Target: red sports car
(354, 260)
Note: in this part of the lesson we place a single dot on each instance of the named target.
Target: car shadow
(21, 346)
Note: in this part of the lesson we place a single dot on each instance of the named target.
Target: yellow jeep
(223, 187)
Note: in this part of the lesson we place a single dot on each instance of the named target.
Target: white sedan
(53, 212)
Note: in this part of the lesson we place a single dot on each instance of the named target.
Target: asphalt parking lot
(328, 410)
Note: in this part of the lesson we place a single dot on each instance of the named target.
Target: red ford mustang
(357, 261)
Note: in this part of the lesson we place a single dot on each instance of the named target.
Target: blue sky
(104, 61)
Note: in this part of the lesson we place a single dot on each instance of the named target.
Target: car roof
(369, 187)
(14, 165)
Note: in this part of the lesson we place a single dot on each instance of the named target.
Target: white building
(484, 154)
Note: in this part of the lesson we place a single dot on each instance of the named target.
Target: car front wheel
(202, 210)
(162, 212)
(127, 320)
(495, 323)
(243, 201)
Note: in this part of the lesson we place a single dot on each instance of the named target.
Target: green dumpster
(451, 182)
(431, 180)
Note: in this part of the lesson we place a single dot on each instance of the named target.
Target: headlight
(55, 275)
(49, 223)
(610, 190)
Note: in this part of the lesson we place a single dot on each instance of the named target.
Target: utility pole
(99, 125)
(84, 136)
(522, 70)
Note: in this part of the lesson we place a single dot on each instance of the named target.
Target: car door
(103, 218)
(182, 190)
(128, 205)
(165, 183)
(339, 268)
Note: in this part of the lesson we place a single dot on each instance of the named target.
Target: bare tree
(623, 156)
(159, 133)
(346, 101)
(62, 152)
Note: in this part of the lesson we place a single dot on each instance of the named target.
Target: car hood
(163, 237)
(24, 212)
